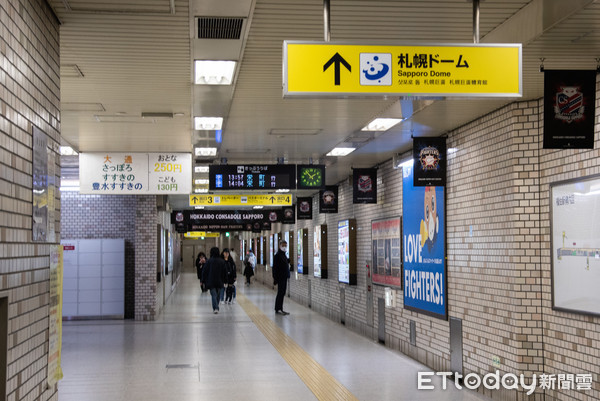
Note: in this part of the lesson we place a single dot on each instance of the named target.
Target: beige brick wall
(29, 95)
(499, 279)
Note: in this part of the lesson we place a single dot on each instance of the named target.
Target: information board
(253, 176)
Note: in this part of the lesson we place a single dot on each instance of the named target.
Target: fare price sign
(243, 177)
(342, 69)
(109, 173)
(241, 200)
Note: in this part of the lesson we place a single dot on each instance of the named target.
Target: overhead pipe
(475, 21)
(326, 20)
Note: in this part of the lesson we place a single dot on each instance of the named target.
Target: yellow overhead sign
(241, 200)
(336, 69)
(198, 234)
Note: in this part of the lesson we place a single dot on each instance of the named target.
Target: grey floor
(189, 353)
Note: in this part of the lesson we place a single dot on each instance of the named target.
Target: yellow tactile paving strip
(323, 385)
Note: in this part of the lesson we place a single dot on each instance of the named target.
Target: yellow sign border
(209, 200)
(308, 78)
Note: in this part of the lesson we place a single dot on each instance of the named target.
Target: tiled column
(145, 257)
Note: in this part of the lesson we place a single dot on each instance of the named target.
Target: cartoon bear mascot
(431, 225)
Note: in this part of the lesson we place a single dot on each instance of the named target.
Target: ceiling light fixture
(205, 151)
(340, 151)
(201, 190)
(214, 72)
(258, 207)
(67, 151)
(201, 169)
(201, 181)
(381, 124)
(282, 190)
(208, 123)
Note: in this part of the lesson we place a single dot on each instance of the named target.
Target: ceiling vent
(220, 28)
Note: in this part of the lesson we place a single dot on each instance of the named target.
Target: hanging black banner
(304, 207)
(429, 157)
(569, 107)
(328, 199)
(364, 185)
(289, 215)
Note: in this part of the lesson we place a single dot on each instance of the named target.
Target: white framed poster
(320, 251)
(317, 252)
(109, 173)
(575, 207)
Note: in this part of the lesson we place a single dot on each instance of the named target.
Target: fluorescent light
(206, 151)
(201, 190)
(198, 207)
(208, 123)
(381, 124)
(69, 189)
(407, 163)
(282, 190)
(201, 169)
(67, 151)
(201, 181)
(214, 72)
(340, 151)
(257, 207)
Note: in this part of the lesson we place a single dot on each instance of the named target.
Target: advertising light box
(347, 251)
(424, 231)
(320, 251)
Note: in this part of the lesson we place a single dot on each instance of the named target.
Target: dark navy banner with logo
(289, 215)
(424, 256)
(429, 155)
(569, 107)
(328, 199)
(304, 207)
(364, 185)
(227, 220)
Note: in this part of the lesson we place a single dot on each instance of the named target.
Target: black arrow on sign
(272, 199)
(195, 200)
(337, 59)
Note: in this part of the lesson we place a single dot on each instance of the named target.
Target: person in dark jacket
(214, 276)
(200, 261)
(231, 275)
(249, 262)
(281, 273)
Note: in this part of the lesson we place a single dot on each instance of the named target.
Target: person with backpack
(214, 275)
(231, 275)
(200, 262)
(250, 263)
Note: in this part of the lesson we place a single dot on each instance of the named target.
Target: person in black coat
(200, 261)
(214, 276)
(231, 276)
(281, 273)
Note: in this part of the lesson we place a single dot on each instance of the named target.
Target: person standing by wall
(233, 255)
(249, 263)
(281, 273)
(214, 275)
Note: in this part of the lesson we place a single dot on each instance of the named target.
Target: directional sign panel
(341, 69)
(241, 200)
(199, 234)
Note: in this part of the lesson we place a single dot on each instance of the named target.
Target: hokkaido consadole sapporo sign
(329, 68)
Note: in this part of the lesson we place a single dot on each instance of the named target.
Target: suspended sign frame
(341, 69)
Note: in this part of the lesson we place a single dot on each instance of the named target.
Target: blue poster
(424, 240)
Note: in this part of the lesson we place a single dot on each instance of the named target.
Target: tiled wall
(146, 219)
(104, 216)
(499, 258)
(29, 95)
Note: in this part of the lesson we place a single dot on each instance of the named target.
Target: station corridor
(246, 352)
